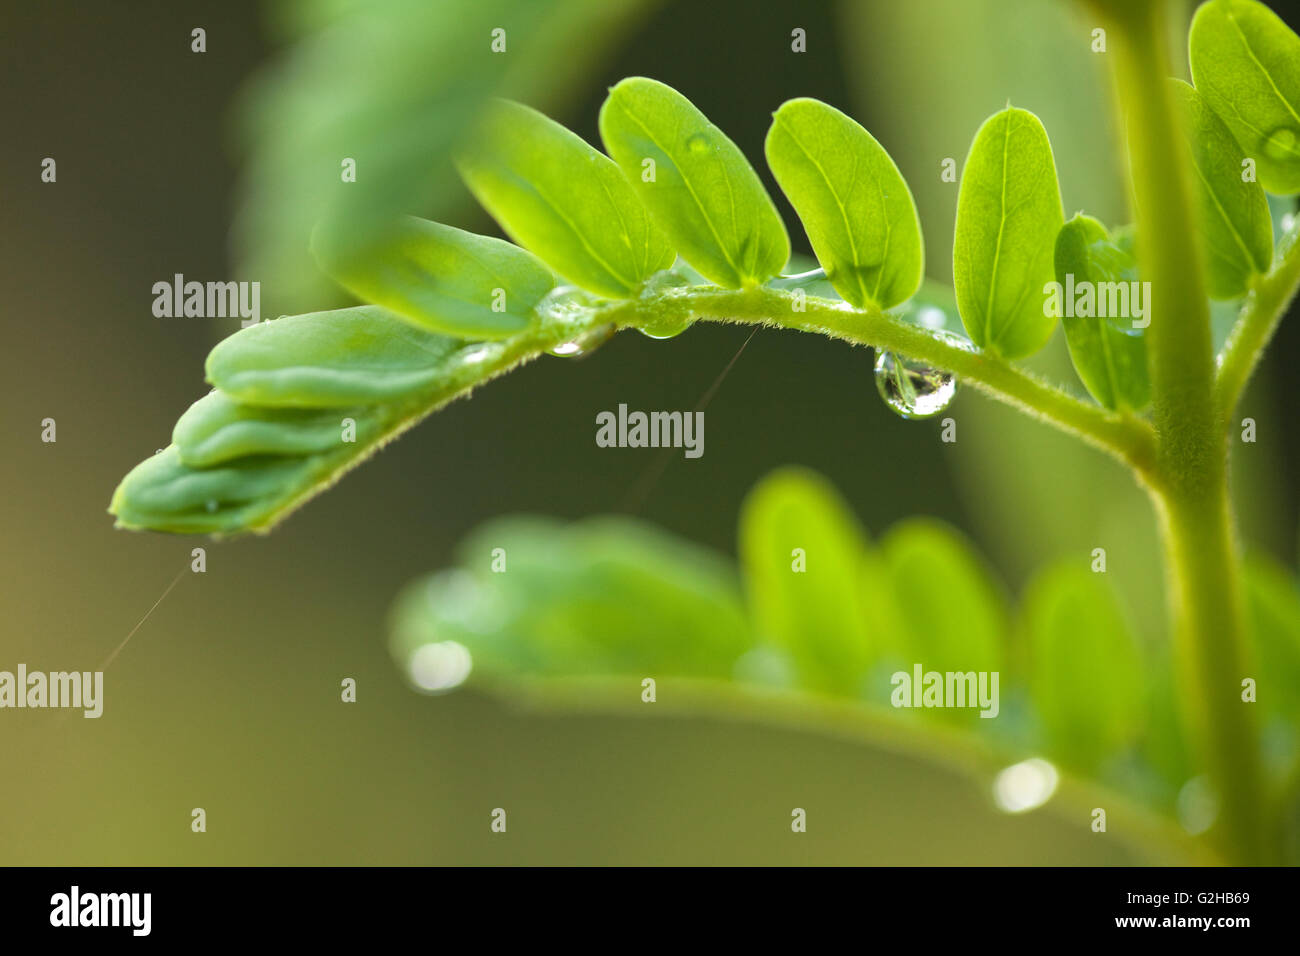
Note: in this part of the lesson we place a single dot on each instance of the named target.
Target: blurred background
(227, 697)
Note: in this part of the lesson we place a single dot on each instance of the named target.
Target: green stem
(1267, 303)
(1124, 436)
(1191, 487)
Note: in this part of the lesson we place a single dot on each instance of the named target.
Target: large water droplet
(1280, 145)
(667, 329)
(583, 344)
(914, 389)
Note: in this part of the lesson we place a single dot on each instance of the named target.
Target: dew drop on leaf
(666, 330)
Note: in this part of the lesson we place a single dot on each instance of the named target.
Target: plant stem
(1124, 436)
(1191, 486)
(1259, 318)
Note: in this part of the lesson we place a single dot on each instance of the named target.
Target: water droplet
(1280, 145)
(698, 143)
(913, 389)
(1288, 221)
(932, 318)
(1025, 786)
(439, 667)
(667, 329)
(583, 344)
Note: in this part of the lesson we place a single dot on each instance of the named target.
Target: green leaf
(275, 434)
(1236, 229)
(443, 279)
(803, 558)
(1108, 352)
(953, 611)
(164, 494)
(1086, 675)
(216, 429)
(1246, 63)
(1008, 215)
(604, 596)
(393, 85)
(563, 200)
(854, 204)
(354, 356)
(703, 191)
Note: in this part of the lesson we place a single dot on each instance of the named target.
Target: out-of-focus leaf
(703, 191)
(953, 611)
(1008, 215)
(1086, 672)
(1246, 63)
(1236, 232)
(393, 85)
(803, 557)
(606, 596)
(444, 279)
(1273, 615)
(1108, 352)
(564, 200)
(853, 201)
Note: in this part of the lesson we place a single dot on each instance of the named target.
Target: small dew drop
(583, 344)
(1288, 221)
(912, 389)
(1280, 145)
(439, 667)
(931, 318)
(1025, 786)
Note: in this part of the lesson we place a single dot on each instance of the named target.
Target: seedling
(671, 225)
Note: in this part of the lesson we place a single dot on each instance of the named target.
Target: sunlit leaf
(701, 188)
(854, 204)
(1108, 352)
(563, 200)
(1246, 63)
(445, 279)
(1008, 215)
(1236, 230)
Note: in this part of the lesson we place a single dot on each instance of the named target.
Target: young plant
(671, 225)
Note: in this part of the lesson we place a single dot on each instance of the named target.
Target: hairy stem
(1192, 452)
(1264, 308)
(1126, 437)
